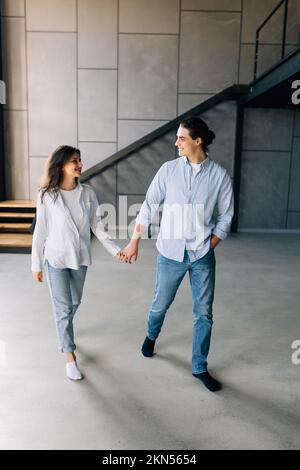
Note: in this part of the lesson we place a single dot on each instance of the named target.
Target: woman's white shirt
(62, 233)
(71, 201)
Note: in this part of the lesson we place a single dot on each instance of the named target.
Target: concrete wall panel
(147, 81)
(211, 5)
(97, 33)
(13, 7)
(51, 15)
(264, 190)
(97, 105)
(266, 129)
(142, 16)
(294, 199)
(51, 91)
(14, 62)
(200, 69)
(129, 130)
(95, 152)
(16, 154)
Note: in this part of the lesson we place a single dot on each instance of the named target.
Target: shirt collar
(203, 164)
(80, 187)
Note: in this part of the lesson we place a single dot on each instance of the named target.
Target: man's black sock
(148, 347)
(212, 384)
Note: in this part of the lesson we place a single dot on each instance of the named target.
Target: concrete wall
(100, 74)
(270, 179)
(132, 176)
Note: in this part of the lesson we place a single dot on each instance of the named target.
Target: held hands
(130, 252)
(38, 276)
(124, 256)
(121, 257)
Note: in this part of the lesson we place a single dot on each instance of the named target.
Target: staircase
(15, 223)
(130, 171)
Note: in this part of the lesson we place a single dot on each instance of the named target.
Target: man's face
(185, 144)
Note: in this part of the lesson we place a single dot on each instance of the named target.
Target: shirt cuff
(142, 221)
(220, 233)
(111, 246)
(115, 251)
(36, 268)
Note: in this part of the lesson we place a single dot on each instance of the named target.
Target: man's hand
(121, 256)
(38, 276)
(130, 251)
(214, 241)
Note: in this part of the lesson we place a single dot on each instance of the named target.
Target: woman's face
(73, 167)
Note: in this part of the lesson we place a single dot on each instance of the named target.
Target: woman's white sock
(72, 371)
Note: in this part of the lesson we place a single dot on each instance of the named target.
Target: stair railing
(285, 16)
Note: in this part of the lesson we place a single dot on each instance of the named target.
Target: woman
(66, 211)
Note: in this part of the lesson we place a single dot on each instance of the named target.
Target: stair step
(15, 242)
(18, 203)
(15, 227)
(28, 215)
(19, 206)
(16, 217)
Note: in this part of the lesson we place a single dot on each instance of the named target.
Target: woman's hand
(131, 251)
(122, 257)
(38, 276)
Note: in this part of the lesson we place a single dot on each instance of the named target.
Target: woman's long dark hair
(53, 175)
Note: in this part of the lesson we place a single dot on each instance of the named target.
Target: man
(203, 190)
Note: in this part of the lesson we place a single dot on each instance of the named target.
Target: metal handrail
(286, 3)
(232, 92)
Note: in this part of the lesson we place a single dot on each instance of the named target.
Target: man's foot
(148, 347)
(73, 372)
(212, 384)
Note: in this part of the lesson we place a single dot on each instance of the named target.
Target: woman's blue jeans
(66, 286)
(169, 275)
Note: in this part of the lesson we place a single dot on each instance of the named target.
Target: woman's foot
(73, 372)
(70, 356)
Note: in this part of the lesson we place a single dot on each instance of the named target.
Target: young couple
(67, 210)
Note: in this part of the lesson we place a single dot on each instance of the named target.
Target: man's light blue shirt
(205, 200)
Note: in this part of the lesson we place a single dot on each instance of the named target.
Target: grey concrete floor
(130, 402)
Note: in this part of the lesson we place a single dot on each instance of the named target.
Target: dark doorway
(2, 156)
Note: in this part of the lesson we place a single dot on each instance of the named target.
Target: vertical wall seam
(27, 100)
(178, 58)
(290, 169)
(117, 110)
(77, 77)
(178, 65)
(240, 44)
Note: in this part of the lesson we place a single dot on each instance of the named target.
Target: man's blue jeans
(66, 286)
(202, 279)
